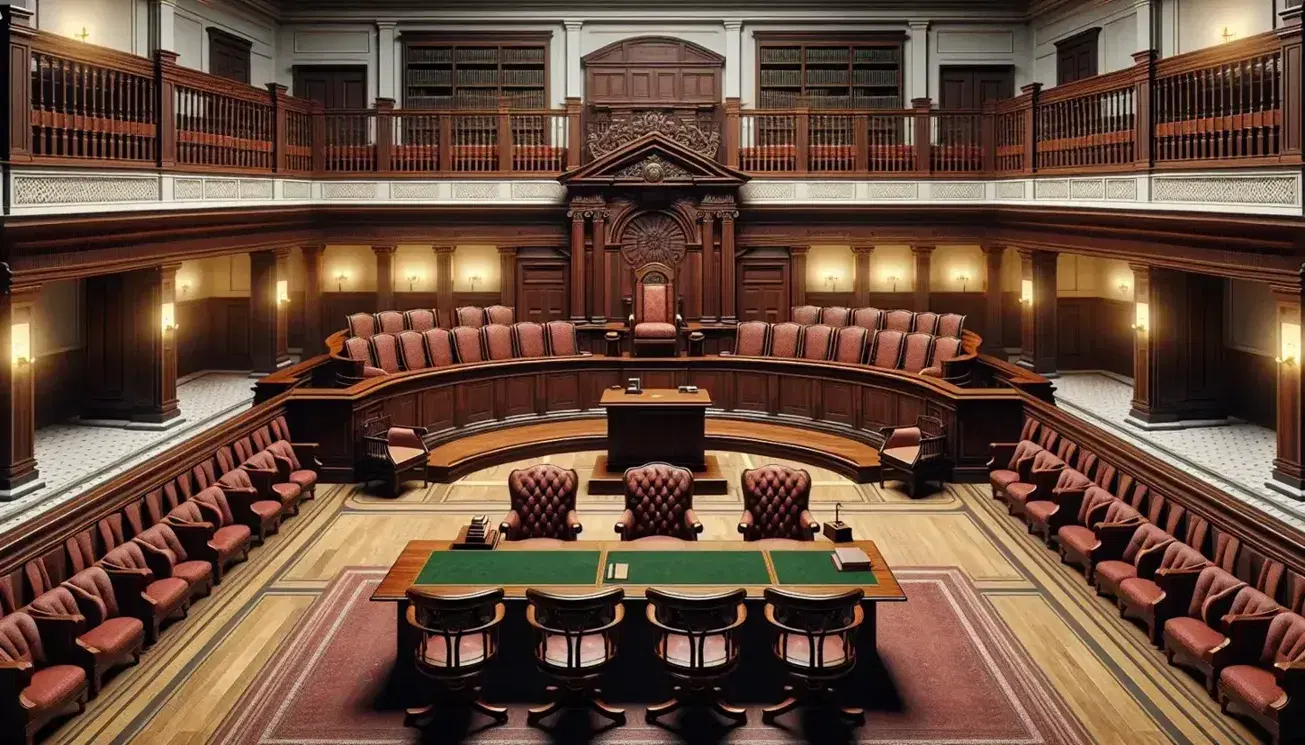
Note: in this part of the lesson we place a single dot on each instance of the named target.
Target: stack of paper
(851, 560)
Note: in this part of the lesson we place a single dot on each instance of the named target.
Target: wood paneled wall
(213, 334)
(1252, 387)
(58, 389)
(1094, 334)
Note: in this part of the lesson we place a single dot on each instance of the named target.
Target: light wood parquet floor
(1117, 685)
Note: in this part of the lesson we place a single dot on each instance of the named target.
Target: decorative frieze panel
(950, 190)
(63, 190)
(1250, 189)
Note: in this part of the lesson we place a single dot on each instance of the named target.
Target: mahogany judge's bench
(656, 425)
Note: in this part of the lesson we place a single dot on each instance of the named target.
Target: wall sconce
(1290, 343)
(1026, 291)
(893, 279)
(340, 279)
(964, 280)
(185, 288)
(20, 341)
(473, 279)
(1227, 35)
(413, 278)
(169, 316)
(1141, 317)
(282, 292)
(84, 35)
(1124, 288)
(831, 281)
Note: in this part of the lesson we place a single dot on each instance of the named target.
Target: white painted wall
(1118, 21)
(1200, 23)
(193, 18)
(978, 44)
(110, 23)
(327, 44)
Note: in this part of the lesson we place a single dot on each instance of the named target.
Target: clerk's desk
(656, 424)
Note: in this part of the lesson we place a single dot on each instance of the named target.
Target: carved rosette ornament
(624, 131)
(653, 237)
(653, 170)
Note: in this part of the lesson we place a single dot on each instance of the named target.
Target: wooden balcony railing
(1238, 104)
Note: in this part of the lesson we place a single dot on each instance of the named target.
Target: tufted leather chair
(775, 504)
(817, 342)
(413, 348)
(751, 339)
(886, 349)
(1268, 677)
(850, 345)
(561, 338)
(385, 350)
(496, 340)
(468, 344)
(926, 322)
(167, 557)
(835, 315)
(439, 347)
(658, 502)
(529, 339)
(108, 638)
(899, 320)
(951, 324)
(785, 340)
(35, 692)
(917, 352)
(140, 592)
(870, 319)
(543, 504)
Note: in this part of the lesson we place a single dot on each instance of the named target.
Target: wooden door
(541, 290)
(335, 86)
(763, 291)
(1076, 57)
(228, 56)
(970, 87)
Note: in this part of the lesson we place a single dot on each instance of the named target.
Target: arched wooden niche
(652, 71)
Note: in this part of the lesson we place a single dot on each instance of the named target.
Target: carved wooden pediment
(621, 132)
(654, 160)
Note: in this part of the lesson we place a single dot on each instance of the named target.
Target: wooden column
(131, 358)
(861, 278)
(166, 405)
(602, 282)
(577, 264)
(18, 472)
(1038, 313)
(1289, 465)
(384, 276)
(282, 307)
(710, 301)
(1178, 348)
(994, 299)
(798, 283)
(1293, 78)
(727, 267)
(263, 311)
(923, 271)
(314, 342)
(15, 126)
(444, 285)
(507, 276)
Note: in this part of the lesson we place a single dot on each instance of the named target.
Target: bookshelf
(474, 74)
(830, 74)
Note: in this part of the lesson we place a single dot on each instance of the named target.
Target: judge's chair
(776, 502)
(542, 504)
(914, 453)
(391, 452)
(655, 321)
(658, 504)
(457, 637)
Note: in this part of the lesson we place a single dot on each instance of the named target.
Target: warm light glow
(831, 281)
(963, 279)
(185, 288)
(282, 292)
(1290, 342)
(472, 279)
(1026, 291)
(1141, 317)
(84, 35)
(341, 277)
(413, 277)
(169, 315)
(1124, 288)
(892, 279)
(20, 340)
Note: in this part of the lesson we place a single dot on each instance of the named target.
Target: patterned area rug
(949, 673)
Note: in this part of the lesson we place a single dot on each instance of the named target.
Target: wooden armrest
(857, 617)
(573, 520)
(691, 518)
(741, 611)
(500, 611)
(746, 521)
(623, 522)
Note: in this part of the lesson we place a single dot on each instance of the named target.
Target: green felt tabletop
(798, 567)
(502, 568)
(690, 567)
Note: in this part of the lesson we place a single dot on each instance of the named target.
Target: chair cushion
(798, 651)
(230, 538)
(471, 651)
(1193, 635)
(1020, 491)
(266, 508)
(652, 330)
(1115, 572)
(1255, 685)
(402, 455)
(287, 492)
(166, 592)
(193, 572)
(303, 479)
(1001, 478)
(115, 635)
(1077, 537)
(679, 648)
(906, 454)
(592, 650)
(1140, 591)
(53, 686)
(1040, 510)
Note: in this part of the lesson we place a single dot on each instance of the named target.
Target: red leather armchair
(915, 453)
(1058, 507)
(142, 595)
(775, 504)
(299, 461)
(1114, 563)
(543, 500)
(390, 453)
(261, 514)
(655, 320)
(658, 502)
(85, 607)
(168, 558)
(271, 478)
(1268, 680)
(1197, 637)
(34, 692)
(1010, 463)
(1159, 592)
(1043, 473)
(1112, 524)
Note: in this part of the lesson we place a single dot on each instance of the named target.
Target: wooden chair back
(808, 623)
(458, 634)
(569, 622)
(702, 623)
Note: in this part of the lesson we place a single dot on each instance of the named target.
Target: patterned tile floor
(1237, 458)
(74, 458)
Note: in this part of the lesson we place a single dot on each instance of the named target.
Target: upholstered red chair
(167, 557)
(140, 593)
(496, 340)
(439, 347)
(244, 450)
(870, 319)
(1115, 563)
(1198, 637)
(529, 339)
(1059, 506)
(226, 460)
(926, 322)
(806, 315)
(468, 344)
(915, 453)
(815, 642)
(391, 452)
(359, 348)
(262, 514)
(469, 315)
(412, 350)
(776, 504)
(85, 607)
(658, 502)
(298, 460)
(751, 339)
(835, 315)
(899, 320)
(951, 325)
(786, 340)
(817, 342)
(945, 348)
(655, 319)
(1268, 679)
(1043, 473)
(1107, 532)
(562, 341)
(420, 319)
(271, 478)
(389, 322)
(542, 499)
(361, 325)
(500, 314)
(1011, 463)
(385, 350)
(34, 692)
(1160, 592)
(886, 349)
(917, 351)
(208, 530)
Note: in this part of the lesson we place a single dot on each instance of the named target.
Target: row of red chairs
(106, 595)
(423, 319)
(893, 350)
(1207, 603)
(874, 319)
(385, 353)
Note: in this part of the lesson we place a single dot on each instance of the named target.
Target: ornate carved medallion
(654, 169)
(653, 237)
(624, 131)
